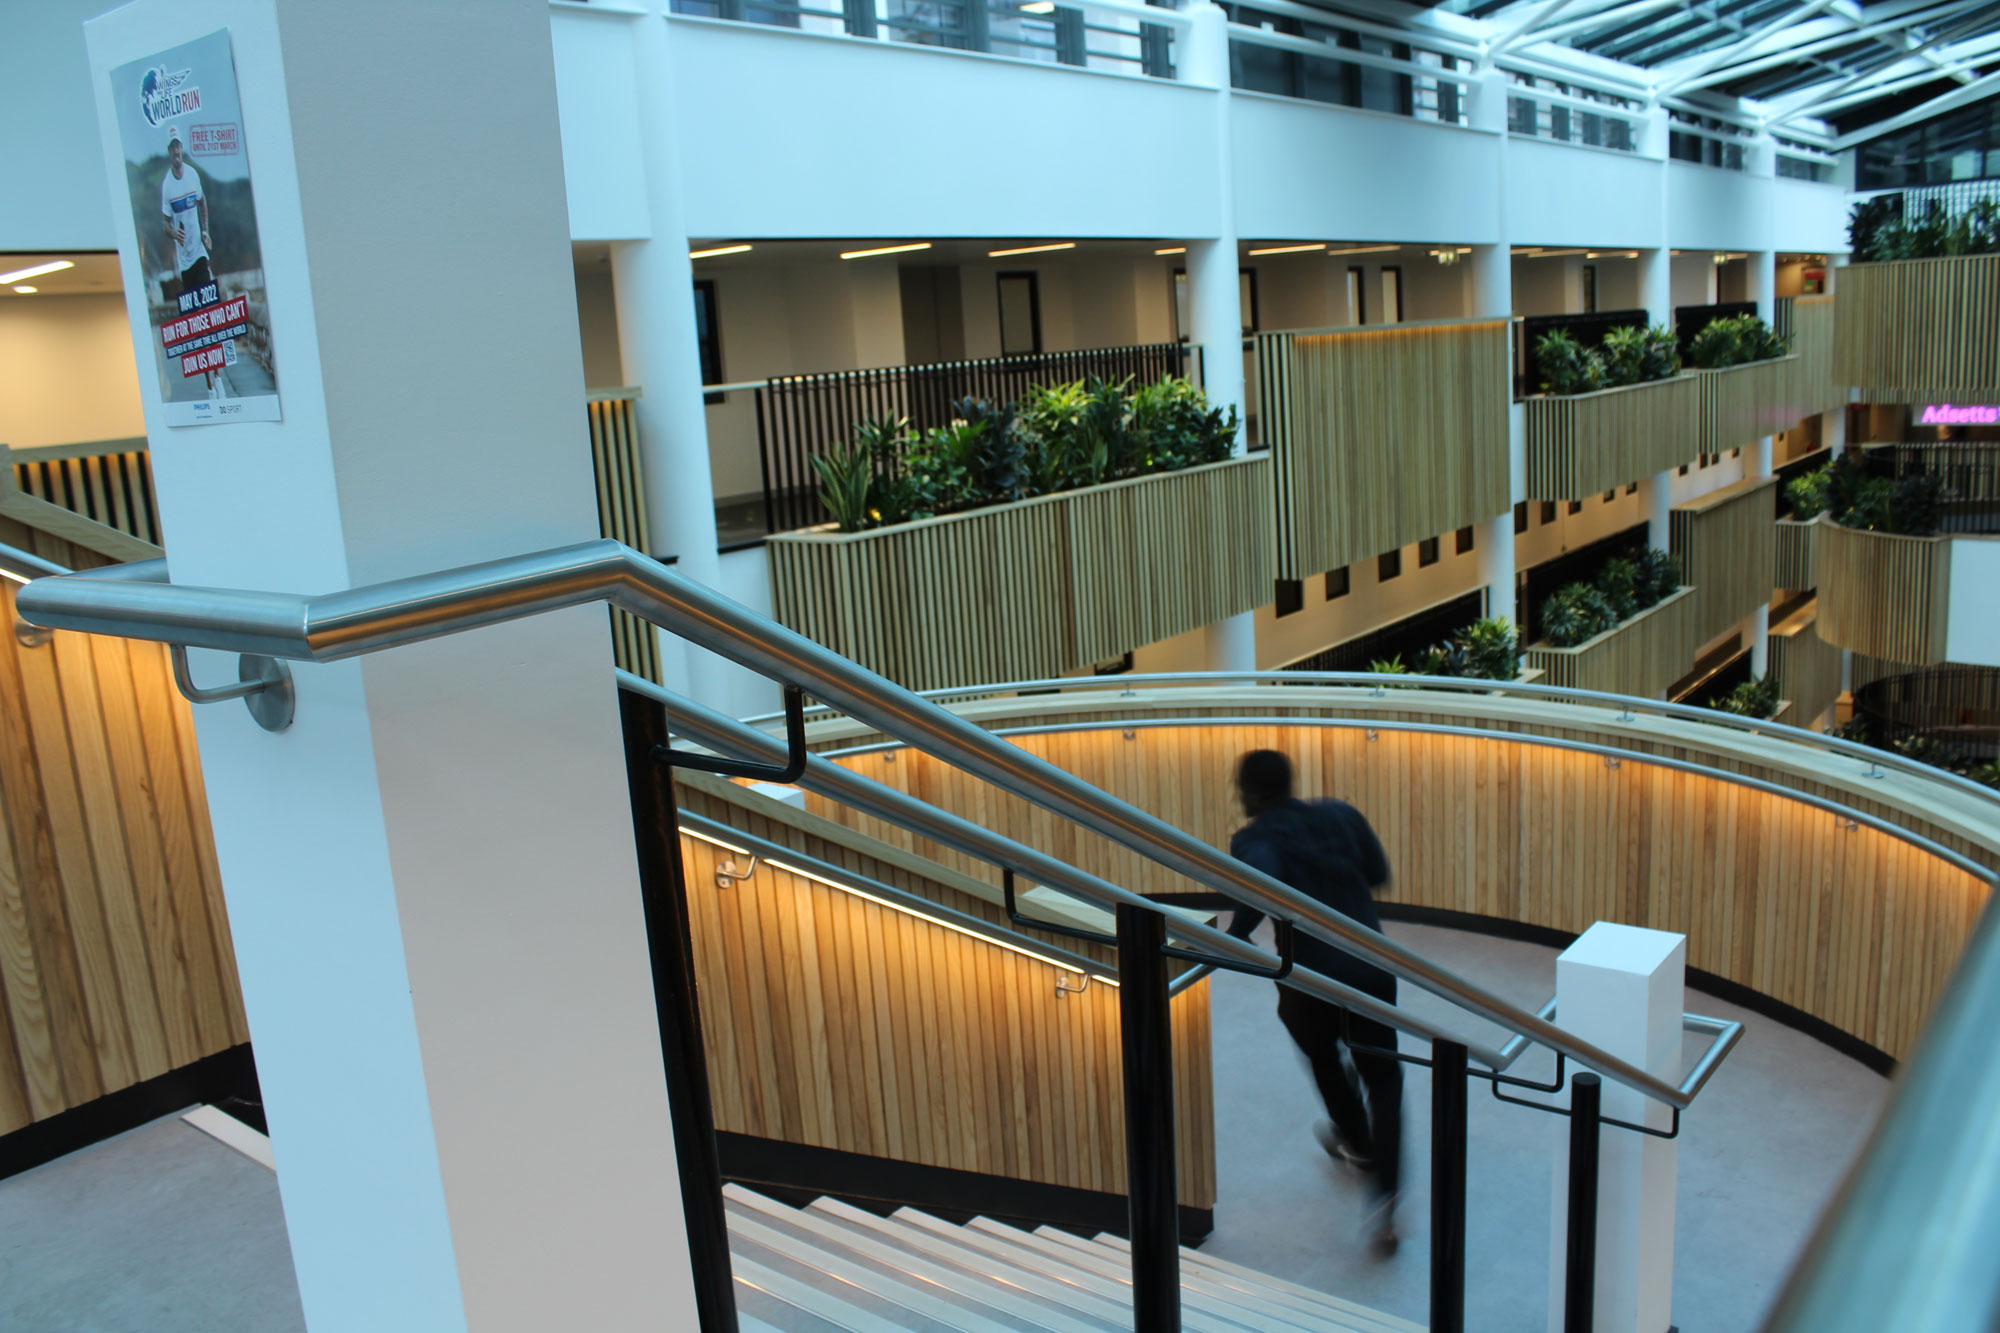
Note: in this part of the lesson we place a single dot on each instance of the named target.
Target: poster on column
(187, 170)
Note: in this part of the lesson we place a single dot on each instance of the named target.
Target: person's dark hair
(1263, 779)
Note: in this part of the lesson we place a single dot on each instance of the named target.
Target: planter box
(1642, 656)
(1585, 444)
(1036, 588)
(1743, 404)
(1914, 329)
(1727, 544)
(1796, 541)
(1882, 595)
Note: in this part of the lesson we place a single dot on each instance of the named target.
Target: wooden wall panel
(1807, 668)
(1727, 542)
(1795, 568)
(1745, 403)
(115, 958)
(1883, 595)
(1850, 925)
(1383, 436)
(1916, 328)
(1037, 588)
(1585, 444)
(838, 1023)
(1643, 656)
(1814, 388)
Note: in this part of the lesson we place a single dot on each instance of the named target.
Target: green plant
(1662, 357)
(847, 479)
(1574, 614)
(1489, 649)
(1389, 666)
(1618, 583)
(1172, 426)
(1624, 354)
(1806, 494)
(1753, 698)
(1914, 505)
(999, 462)
(1734, 341)
(1866, 219)
(1659, 577)
(1567, 365)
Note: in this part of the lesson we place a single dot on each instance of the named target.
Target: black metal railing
(1955, 708)
(800, 417)
(1968, 473)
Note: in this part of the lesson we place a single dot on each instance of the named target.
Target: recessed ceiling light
(1172, 250)
(27, 291)
(1364, 250)
(1031, 249)
(884, 250)
(1289, 249)
(1039, 7)
(37, 270)
(717, 250)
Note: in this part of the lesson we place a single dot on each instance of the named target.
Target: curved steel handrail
(347, 624)
(1462, 685)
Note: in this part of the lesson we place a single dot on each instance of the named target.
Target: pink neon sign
(1945, 414)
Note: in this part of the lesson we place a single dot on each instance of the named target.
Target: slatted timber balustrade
(1383, 436)
(1643, 655)
(621, 514)
(107, 481)
(1727, 542)
(835, 1022)
(1815, 390)
(1795, 567)
(1581, 445)
(116, 963)
(1884, 595)
(1807, 667)
(1743, 404)
(1920, 329)
(1851, 925)
(1038, 587)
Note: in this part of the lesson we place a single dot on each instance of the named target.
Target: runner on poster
(188, 172)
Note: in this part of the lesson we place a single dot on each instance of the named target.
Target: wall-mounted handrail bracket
(264, 684)
(785, 774)
(1283, 935)
(727, 876)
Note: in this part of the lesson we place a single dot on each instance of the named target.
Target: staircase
(831, 1266)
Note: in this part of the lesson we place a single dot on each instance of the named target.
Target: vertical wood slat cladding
(1852, 926)
(1742, 404)
(1814, 388)
(1383, 436)
(1795, 568)
(1917, 327)
(1883, 595)
(621, 516)
(115, 957)
(838, 1023)
(1585, 444)
(1642, 656)
(114, 488)
(1808, 671)
(1727, 542)
(1035, 588)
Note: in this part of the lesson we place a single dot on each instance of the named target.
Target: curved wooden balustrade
(1796, 545)
(1843, 920)
(1881, 594)
(1580, 445)
(1913, 328)
(1727, 542)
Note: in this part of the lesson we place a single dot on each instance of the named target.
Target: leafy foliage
(1753, 698)
(1876, 232)
(1909, 507)
(1735, 341)
(1662, 358)
(1574, 614)
(1630, 355)
(1567, 365)
(1624, 356)
(1659, 577)
(1624, 587)
(1486, 649)
(1806, 494)
(1618, 581)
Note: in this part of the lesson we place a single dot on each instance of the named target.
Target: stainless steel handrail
(347, 624)
(1726, 1031)
(1462, 685)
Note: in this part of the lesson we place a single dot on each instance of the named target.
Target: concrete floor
(166, 1230)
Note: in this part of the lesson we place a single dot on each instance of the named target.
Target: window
(1291, 596)
(1520, 518)
(1464, 539)
(1548, 512)
(1357, 295)
(1020, 314)
(1338, 583)
(1392, 294)
(1632, 489)
(1589, 288)
(1427, 552)
(1576, 506)
(1388, 565)
(1611, 495)
(708, 334)
(1117, 666)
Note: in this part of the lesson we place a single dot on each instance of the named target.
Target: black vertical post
(1448, 1112)
(1580, 1252)
(663, 889)
(1151, 1191)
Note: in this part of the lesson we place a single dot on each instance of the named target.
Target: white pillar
(1833, 431)
(1656, 293)
(1656, 495)
(430, 876)
(1620, 987)
(1495, 538)
(1231, 644)
(1493, 294)
(660, 350)
(1215, 305)
(1764, 283)
(1760, 640)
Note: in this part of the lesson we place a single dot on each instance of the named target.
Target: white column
(1760, 640)
(1620, 987)
(1215, 302)
(1495, 538)
(430, 876)
(1656, 293)
(653, 286)
(1763, 289)
(1833, 431)
(1493, 294)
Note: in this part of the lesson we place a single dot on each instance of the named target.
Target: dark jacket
(1327, 851)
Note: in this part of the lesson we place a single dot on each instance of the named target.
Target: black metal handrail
(1953, 708)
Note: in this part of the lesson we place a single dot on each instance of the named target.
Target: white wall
(1548, 286)
(1692, 279)
(598, 103)
(1972, 632)
(1368, 605)
(56, 197)
(1563, 195)
(66, 371)
(1709, 208)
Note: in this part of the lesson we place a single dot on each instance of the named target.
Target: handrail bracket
(264, 684)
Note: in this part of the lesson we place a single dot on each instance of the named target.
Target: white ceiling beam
(1710, 60)
(1524, 29)
(1893, 77)
(1847, 36)
(1602, 18)
(1937, 106)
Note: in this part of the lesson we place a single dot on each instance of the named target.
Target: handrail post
(669, 942)
(1151, 1189)
(1580, 1255)
(1448, 1123)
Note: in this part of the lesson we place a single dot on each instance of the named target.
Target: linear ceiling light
(27, 291)
(1363, 250)
(1039, 7)
(1289, 249)
(884, 250)
(22, 274)
(717, 250)
(1172, 250)
(1556, 254)
(1031, 249)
